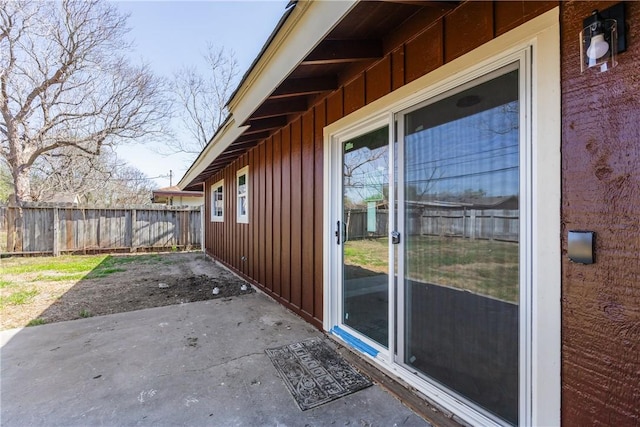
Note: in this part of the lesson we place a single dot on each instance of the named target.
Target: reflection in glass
(365, 225)
(461, 214)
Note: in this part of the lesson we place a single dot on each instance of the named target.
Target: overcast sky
(170, 34)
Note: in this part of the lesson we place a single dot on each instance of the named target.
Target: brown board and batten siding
(601, 192)
(283, 249)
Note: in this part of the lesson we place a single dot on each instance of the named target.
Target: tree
(129, 186)
(365, 173)
(97, 180)
(65, 84)
(203, 99)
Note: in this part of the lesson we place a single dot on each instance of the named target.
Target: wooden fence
(57, 230)
(489, 224)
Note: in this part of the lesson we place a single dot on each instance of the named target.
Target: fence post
(56, 233)
(493, 226)
(464, 222)
(474, 224)
(133, 230)
(11, 226)
(15, 226)
(202, 233)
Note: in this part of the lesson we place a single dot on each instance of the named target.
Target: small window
(242, 180)
(217, 201)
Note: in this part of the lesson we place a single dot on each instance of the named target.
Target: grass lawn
(43, 280)
(480, 266)
(69, 267)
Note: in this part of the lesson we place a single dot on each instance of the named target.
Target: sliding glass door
(428, 255)
(460, 217)
(363, 230)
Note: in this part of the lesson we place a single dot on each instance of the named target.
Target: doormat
(314, 373)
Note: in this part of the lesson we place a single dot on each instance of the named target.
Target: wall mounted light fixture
(602, 38)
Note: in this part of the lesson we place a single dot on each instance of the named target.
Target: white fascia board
(214, 148)
(307, 26)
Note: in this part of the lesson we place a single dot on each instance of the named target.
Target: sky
(170, 34)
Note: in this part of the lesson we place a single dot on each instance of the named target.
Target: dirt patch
(127, 283)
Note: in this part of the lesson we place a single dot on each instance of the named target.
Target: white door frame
(537, 43)
(335, 153)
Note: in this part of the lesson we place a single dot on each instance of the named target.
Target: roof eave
(299, 31)
(306, 26)
(224, 137)
(178, 193)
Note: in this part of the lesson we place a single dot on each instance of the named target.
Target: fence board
(64, 229)
(3, 230)
(486, 224)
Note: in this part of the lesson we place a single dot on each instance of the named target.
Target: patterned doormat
(315, 373)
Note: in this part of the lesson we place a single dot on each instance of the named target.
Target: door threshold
(408, 395)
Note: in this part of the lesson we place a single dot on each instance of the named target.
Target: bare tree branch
(101, 179)
(65, 85)
(202, 99)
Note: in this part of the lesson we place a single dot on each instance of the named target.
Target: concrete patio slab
(193, 364)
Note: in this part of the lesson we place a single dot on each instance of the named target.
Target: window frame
(242, 218)
(214, 188)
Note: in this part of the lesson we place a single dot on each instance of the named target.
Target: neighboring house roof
(175, 191)
(509, 202)
(313, 44)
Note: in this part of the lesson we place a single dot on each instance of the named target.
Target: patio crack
(217, 365)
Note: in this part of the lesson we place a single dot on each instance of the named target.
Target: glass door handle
(395, 238)
(338, 232)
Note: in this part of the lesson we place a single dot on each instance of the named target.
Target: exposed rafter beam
(338, 51)
(306, 86)
(251, 137)
(237, 148)
(270, 123)
(280, 107)
(222, 161)
(229, 155)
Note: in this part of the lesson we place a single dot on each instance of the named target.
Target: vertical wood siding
(285, 233)
(307, 224)
(319, 116)
(296, 234)
(285, 216)
(276, 140)
(601, 192)
(260, 217)
(269, 202)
